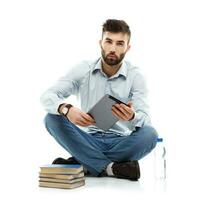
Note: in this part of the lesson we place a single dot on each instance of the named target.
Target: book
(62, 185)
(62, 168)
(61, 176)
(64, 176)
(55, 180)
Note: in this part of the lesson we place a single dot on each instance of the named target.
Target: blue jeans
(95, 151)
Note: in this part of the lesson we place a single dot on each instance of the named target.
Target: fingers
(122, 111)
(87, 117)
(85, 120)
(130, 104)
(118, 114)
(82, 123)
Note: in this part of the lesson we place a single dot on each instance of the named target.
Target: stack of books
(66, 176)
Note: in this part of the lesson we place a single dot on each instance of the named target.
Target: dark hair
(116, 26)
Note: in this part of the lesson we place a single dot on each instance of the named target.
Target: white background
(172, 42)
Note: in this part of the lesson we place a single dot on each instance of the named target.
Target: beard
(111, 59)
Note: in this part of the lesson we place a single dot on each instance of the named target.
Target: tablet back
(102, 114)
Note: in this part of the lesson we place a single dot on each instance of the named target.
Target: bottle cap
(159, 139)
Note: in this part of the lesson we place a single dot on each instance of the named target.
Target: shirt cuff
(138, 121)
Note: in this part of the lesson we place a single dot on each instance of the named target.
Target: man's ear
(128, 48)
(100, 43)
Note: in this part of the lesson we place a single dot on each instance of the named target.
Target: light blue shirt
(88, 81)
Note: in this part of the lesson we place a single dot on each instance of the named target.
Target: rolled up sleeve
(64, 87)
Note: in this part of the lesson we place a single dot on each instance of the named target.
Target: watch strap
(58, 110)
(68, 106)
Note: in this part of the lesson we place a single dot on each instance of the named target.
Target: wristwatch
(65, 109)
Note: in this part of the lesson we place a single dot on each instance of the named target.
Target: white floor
(105, 188)
(189, 170)
(24, 184)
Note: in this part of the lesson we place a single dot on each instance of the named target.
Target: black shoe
(126, 170)
(70, 160)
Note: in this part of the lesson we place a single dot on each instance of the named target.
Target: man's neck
(110, 70)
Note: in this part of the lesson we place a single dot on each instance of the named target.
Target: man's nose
(113, 48)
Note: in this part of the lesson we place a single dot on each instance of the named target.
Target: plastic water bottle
(160, 160)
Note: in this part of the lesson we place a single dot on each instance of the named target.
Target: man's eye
(108, 41)
(120, 44)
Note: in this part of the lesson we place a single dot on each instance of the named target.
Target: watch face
(65, 110)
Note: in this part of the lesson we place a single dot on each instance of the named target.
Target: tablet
(102, 114)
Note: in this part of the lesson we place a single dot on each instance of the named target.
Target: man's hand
(123, 112)
(78, 117)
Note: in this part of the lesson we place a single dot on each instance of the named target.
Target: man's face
(114, 47)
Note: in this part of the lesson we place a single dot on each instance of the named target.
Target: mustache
(109, 54)
(112, 54)
(112, 61)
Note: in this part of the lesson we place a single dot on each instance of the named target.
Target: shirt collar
(122, 71)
